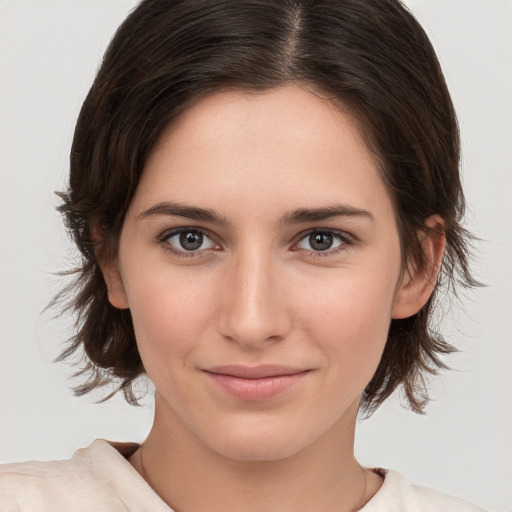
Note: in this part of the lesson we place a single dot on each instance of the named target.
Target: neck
(189, 476)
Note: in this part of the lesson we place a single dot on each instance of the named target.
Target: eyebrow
(182, 210)
(328, 212)
(298, 216)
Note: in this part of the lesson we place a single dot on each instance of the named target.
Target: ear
(417, 284)
(115, 286)
(110, 269)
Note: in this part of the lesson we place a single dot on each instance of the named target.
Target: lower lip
(256, 389)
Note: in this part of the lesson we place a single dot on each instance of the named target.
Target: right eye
(188, 241)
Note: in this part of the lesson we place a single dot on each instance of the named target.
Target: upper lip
(255, 372)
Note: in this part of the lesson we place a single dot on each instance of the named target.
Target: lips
(255, 383)
(255, 372)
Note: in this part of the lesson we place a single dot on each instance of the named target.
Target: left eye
(189, 240)
(321, 241)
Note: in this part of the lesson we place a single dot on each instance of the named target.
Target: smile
(255, 383)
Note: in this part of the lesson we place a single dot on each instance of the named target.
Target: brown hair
(372, 56)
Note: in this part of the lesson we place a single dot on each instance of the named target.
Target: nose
(255, 309)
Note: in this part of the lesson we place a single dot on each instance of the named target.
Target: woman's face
(261, 263)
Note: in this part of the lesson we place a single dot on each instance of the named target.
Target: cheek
(169, 315)
(349, 321)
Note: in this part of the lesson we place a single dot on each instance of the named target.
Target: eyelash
(346, 241)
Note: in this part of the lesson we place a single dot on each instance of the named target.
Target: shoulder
(398, 495)
(57, 484)
(95, 478)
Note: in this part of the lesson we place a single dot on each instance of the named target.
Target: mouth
(255, 383)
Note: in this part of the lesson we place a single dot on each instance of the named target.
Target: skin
(257, 291)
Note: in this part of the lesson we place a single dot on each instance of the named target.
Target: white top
(100, 479)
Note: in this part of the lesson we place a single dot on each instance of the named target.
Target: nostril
(254, 328)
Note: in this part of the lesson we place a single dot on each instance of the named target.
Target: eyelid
(168, 233)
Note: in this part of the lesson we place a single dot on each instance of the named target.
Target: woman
(266, 196)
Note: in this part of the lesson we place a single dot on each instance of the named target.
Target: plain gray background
(49, 51)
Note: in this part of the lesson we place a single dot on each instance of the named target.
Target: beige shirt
(100, 479)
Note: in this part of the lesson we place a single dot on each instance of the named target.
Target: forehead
(284, 146)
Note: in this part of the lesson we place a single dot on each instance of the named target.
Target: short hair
(370, 56)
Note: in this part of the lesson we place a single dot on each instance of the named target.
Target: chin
(259, 442)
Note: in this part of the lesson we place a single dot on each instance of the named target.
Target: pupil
(321, 241)
(191, 240)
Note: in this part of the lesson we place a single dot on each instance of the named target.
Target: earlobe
(114, 283)
(417, 284)
(115, 286)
